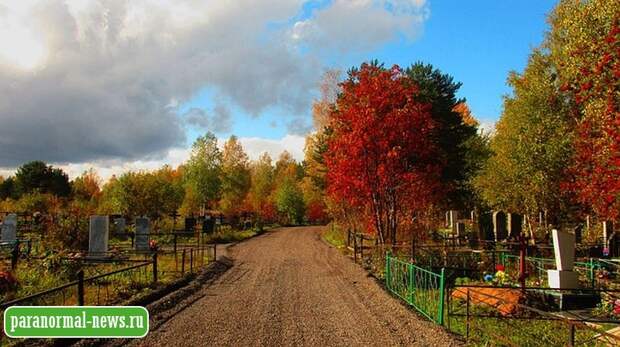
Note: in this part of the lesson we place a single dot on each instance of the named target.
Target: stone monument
(9, 228)
(98, 236)
(564, 248)
(143, 226)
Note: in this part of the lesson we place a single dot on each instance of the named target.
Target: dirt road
(288, 287)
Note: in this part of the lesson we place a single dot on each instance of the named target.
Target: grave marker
(143, 226)
(564, 249)
(190, 224)
(98, 235)
(208, 225)
(9, 228)
(514, 224)
(453, 217)
(119, 225)
(499, 225)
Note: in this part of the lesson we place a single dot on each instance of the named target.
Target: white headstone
(9, 228)
(143, 226)
(454, 216)
(564, 248)
(98, 235)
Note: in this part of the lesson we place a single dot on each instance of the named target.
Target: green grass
(334, 236)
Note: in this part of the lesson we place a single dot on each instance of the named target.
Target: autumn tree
(262, 185)
(87, 186)
(532, 145)
(382, 155)
(584, 46)
(203, 170)
(236, 178)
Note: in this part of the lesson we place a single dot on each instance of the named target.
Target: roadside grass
(334, 236)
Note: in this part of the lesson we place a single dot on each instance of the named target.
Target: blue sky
(478, 44)
(167, 71)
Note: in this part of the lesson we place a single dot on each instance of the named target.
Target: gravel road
(288, 287)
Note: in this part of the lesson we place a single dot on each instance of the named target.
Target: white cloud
(253, 146)
(102, 81)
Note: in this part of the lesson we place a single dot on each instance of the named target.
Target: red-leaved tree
(381, 157)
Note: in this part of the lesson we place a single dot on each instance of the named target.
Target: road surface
(288, 287)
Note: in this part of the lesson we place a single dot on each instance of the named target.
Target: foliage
(532, 145)
(455, 132)
(584, 46)
(382, 152)
(87, 186)
(290, 202)
(37, 177)
(236, 178)
(143, 193)
(262, 184)
(203, 170)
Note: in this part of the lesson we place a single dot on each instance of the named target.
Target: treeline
(212, 180)
(395, 147)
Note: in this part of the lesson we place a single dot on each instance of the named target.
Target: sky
(129, 85)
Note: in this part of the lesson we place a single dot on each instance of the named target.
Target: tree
(290, 202)
(455, 131)
(86, 187)
(262, 178)
(236, 178)
(584, 43)
(203, 170)
(382, 156)
(8, 189)
(37, 177)
(532, 145)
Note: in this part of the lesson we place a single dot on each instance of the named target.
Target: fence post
(592, 273)
(387, 269)
(571, 335)
(215, 252)
(175, 244)
(80, 288)
(191, 260)
(155, 267)
(411, 283)
(467, 321)
(183, 262)
(15, 255)
(355, 248)
(441, 294)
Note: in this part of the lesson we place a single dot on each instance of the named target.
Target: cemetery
(488, 278)
(123, 258)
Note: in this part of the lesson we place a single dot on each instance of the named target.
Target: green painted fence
(541, 265)
(421, 288)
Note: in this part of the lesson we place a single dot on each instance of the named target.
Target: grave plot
(489, 274)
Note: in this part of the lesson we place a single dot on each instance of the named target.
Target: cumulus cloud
(99, 81)
(357, 25)
(219, 122)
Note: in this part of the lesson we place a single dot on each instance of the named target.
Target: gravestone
(453, 217)
(208, 225)
(143, 226)
(514, 224)
(472, 216)
(499, 225)
(447, 225)
(608, 230)
(9, 228)
(564, 249)
(190, 224)
(459, 229)
(485, 226)
(98, 235)
(119, 225)
(578, 233)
